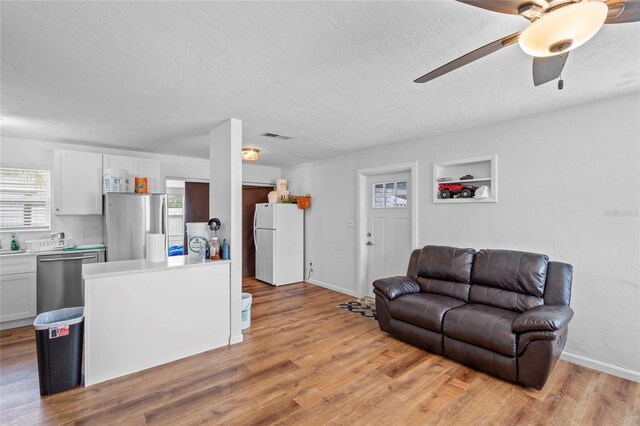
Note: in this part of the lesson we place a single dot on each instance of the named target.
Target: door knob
(369, 243)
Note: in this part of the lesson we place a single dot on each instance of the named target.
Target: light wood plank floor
(306, 362)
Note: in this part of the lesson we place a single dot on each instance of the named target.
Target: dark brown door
(251, 195)
(196, 205)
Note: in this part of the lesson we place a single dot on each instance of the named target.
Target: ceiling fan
(557, 27)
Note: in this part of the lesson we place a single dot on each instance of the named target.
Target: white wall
(89, 229)
(260, 175)
(569, 187)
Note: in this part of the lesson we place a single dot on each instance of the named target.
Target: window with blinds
(25, 199)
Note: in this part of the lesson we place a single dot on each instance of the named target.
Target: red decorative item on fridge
(304, 202)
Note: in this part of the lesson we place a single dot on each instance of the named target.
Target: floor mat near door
(365, 307)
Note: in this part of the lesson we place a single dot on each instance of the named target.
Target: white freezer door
(265, 216)
(265, 255)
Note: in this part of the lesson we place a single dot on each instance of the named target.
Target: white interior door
(388, 226)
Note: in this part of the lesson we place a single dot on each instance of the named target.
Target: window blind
(25, 199)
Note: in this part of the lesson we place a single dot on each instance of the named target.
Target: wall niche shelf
(483, 169)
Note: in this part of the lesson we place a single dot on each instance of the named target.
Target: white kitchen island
(140, 314)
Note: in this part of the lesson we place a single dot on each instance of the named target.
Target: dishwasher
(60, 279)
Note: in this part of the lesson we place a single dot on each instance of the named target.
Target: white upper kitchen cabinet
(78, 183)
(149, 168)
(135, 166)
(118, 162)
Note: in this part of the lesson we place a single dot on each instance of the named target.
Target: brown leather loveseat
(499, 311)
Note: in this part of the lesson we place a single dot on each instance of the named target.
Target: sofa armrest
(542, 318)
(394, 287)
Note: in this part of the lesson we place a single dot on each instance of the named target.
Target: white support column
(225, 203)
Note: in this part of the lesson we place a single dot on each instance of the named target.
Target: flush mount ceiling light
(563, 29)
(250, 154)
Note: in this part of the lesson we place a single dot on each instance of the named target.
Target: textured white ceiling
(336, 76)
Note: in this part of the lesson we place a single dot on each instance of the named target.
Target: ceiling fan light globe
(563, 29)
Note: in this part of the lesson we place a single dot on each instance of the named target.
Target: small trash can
(246, 310)
(59, 345)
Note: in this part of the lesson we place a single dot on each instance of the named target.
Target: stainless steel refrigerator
(129, 217)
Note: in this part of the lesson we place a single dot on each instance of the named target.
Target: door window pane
(390, 188)
(401, 194)
(378, 195)
(390, 195)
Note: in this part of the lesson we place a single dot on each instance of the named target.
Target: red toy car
(448, 190)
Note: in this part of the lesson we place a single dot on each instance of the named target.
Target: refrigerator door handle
(255, 238)
(163, 210)
(255, 217)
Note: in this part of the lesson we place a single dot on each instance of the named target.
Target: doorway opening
(251, 195)
(187, 201)
(387, 221)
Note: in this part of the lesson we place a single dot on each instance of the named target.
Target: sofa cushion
(482, 325)
(445, 288)
(423, 309)
(508, 279)
(481, 359)
(446, 263)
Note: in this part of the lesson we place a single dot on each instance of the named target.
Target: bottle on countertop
(202, 251)
(215, 249)
(15, 243)
(225, 250)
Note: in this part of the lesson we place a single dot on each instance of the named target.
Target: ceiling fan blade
(548, 68)
(621, 11)
(469, 57)
(503, 6)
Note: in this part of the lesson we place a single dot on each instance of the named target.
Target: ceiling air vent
(277, 136)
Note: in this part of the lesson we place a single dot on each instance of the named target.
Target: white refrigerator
(278, 232)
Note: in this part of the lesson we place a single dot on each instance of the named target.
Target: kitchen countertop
(83, 248)
(141, 266)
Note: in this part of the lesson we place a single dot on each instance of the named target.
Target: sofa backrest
(507, 279)
(444, 270)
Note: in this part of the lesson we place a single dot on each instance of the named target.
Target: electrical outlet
(350, 223)
(310, 266)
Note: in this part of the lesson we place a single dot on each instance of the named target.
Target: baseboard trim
(16, 323)
(334, 288)
(601, 366)
(236, 339)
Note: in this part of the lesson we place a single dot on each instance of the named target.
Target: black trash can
(59, 344)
